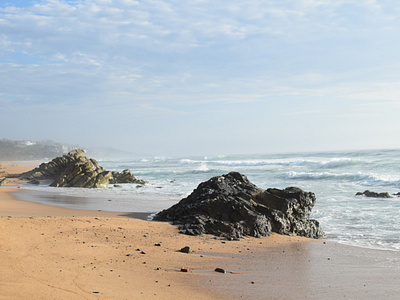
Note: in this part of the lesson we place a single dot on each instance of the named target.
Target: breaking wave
(364, 178)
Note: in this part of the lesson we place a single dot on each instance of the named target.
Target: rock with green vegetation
(3, 181)
(2, 171)
(125, 176)
(76, 170)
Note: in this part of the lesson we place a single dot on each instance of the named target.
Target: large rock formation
(231, 206)
(76, 170)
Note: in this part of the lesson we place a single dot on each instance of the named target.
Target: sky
(200, 77)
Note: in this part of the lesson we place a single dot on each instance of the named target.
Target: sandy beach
(57, 253)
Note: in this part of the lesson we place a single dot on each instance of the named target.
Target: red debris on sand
(185, 269)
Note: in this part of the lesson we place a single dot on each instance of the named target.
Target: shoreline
(43, 210)
(54, 252)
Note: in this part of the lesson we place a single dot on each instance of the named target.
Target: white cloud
(129, 2)
(156, 57)
(172, 24)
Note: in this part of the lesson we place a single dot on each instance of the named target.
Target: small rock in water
(371, 194)
(220, 270)
(186, 249)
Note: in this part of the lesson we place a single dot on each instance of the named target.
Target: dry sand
(55, 253)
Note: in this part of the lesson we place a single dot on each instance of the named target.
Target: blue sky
(167, 77)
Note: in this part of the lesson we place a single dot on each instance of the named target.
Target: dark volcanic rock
(76, 170)
(368, 193)
(231, 206)
(220, 270)
(186, 249)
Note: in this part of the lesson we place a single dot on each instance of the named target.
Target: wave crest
(292, 162)
(365, 178)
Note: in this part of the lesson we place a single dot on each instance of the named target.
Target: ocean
(334, 177)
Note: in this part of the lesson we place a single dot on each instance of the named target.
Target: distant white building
(26, 143)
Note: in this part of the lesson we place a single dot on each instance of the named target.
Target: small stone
(183, 269)
(220, 270)
(186, 249)
(158, 244)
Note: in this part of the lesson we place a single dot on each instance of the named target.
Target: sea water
(334, 177)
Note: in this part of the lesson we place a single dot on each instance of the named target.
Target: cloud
(153, 58)
(56, 26)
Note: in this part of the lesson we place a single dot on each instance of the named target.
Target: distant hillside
(30, 150)
(47, 150)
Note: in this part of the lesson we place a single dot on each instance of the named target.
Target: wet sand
(56, 253)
